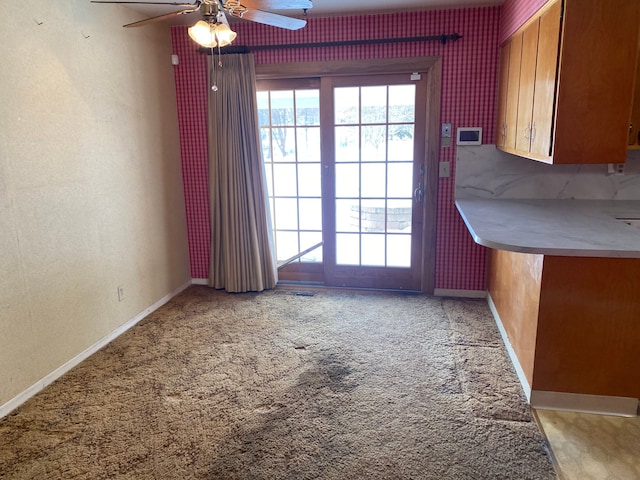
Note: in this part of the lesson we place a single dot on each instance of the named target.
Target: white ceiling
(326, 8)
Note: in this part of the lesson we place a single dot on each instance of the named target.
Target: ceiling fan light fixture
(211, 34)
(203, 34)
(224, 35)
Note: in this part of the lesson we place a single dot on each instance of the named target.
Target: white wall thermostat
(469, 136)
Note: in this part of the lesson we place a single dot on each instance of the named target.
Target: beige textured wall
(90, 182)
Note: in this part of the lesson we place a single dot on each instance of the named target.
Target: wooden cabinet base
(573, 322)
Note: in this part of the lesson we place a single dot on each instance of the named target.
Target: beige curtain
(242, 258)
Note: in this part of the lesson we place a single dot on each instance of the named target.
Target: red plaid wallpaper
(515, 13)
(468, 99)
(191, 93)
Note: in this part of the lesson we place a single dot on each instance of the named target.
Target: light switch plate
(445, 169)
(446, 130)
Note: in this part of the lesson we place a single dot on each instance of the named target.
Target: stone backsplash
(483, 171)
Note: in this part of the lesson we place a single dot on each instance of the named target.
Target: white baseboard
(446, 292)
(58, 372)
(200, 281)
(512, 353)
(580, 402)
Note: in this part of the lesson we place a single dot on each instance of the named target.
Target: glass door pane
(374, 164)
(289, 121)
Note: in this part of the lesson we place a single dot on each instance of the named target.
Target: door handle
(418, 194)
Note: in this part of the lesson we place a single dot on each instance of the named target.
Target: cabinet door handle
(533, 132)
(527, 131)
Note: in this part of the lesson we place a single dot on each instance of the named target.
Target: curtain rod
(341, 43)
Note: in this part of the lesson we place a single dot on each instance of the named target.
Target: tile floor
(592, 447)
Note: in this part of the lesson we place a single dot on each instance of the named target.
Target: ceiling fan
(253, 10)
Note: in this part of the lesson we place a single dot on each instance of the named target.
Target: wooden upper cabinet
(634, 125)
(510, 56)
(513, 91)
(527, 83)
(501, 119)
(575, 82)
(545, 82)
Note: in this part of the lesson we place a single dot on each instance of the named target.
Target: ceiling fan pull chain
(214, 83)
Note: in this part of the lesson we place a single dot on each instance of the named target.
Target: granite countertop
(582, 228)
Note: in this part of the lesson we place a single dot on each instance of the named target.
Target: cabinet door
(634, 130)
(527, 86)
(595, 81)
(503, 92)
(545, 82)
(513, 89)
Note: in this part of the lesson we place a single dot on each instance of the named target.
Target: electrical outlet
(445, 169)
(120, 293)
(446, 130)
(615, 169)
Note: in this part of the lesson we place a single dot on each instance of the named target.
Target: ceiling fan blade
(159, 18)
(148, 3)
(277, 4)
(273, 19)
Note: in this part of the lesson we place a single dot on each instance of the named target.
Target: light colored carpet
(287, 385)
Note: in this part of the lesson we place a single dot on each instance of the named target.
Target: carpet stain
(329, 371)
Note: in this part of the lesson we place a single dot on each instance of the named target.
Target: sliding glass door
(345, 170)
